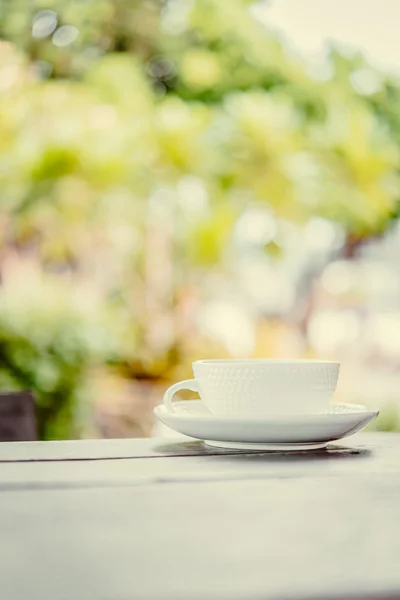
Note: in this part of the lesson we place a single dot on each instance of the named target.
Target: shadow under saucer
(199, 448)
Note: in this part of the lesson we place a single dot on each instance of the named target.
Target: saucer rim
(297, 429)
(359, 410)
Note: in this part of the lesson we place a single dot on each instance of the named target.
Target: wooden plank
(130, 448)
(105, 449)
(288, 538)
(368, 455)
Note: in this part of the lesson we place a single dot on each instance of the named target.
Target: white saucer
(289, 432)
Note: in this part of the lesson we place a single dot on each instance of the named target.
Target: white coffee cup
(240, 387)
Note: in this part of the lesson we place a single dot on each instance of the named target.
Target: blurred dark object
(17, 417)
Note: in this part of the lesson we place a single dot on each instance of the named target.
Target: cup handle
(188, 384)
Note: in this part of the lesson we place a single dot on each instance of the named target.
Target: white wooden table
(155, 519)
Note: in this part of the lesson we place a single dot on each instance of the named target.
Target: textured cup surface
(235, 387)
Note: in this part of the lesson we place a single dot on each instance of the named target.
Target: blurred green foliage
(388, 419)
(132, 136)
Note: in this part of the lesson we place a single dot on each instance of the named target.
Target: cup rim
(266, 361)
